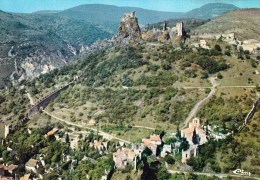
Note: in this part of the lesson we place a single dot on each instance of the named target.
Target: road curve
(101, 133)
(213, 174)
(195, 109)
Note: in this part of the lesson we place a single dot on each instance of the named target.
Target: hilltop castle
(129, 27)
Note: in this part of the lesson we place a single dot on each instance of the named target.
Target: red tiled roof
(8, 168)
(32, 163)
(52, 132)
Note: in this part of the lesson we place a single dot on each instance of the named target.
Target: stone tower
(180, 29)
(7, 129)
(164, 26)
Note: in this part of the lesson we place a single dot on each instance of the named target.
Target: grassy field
(241, 74)
(245, 22)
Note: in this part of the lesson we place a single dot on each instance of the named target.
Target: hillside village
(67, 147)
(125, 155)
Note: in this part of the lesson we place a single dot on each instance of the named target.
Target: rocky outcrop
(129, 27)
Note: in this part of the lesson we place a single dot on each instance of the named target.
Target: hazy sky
(162, 5)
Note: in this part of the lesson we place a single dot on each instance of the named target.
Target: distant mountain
(46, 12)
(36, 43)
(211, 10)
(110, 16)
(244, 22)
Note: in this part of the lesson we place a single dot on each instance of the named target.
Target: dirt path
(195, 109)
(101, 133)
(144, 127)
(30, 98)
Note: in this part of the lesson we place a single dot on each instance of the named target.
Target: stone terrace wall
(250, 115)
(46, 100)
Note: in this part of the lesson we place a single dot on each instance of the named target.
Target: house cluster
(202, 41)
(194, 134)
(125, 156)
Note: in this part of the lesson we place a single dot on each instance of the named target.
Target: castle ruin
(180, 29)
(129, 27)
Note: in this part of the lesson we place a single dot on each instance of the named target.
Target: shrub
(246, 52)
(219, 76)
(240, 56)
(211, 65)
(169, 159)
(254, 64)
(217, 47)
(227, 53)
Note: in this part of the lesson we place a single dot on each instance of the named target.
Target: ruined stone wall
(180, 30)
(46, 100)
(250, 115)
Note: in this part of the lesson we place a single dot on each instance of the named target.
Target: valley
(160, 101)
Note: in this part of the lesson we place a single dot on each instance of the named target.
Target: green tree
(184, 144)
(217, 47)
(67, 139)
(194, 137)
(169, 159)
(162, 173)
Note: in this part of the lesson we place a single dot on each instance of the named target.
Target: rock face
(129, 27)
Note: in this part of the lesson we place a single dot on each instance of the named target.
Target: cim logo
(241, 172)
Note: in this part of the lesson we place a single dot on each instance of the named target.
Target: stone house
(7, 171)
(32, 165)
(100, 146)
(167, 149)
(204, 44)
(91, 122)
(123, 157)
(52, 132)
(152, 143)
(26, 177)
(189, 133)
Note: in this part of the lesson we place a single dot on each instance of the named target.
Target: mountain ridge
(59, 36)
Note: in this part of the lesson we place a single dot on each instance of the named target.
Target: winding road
(101, 133)
(195, 109)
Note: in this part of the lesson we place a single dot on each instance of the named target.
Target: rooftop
(32, 163)
(8, 168)
(52, 132)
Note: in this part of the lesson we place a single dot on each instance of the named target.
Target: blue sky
(27, 6)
